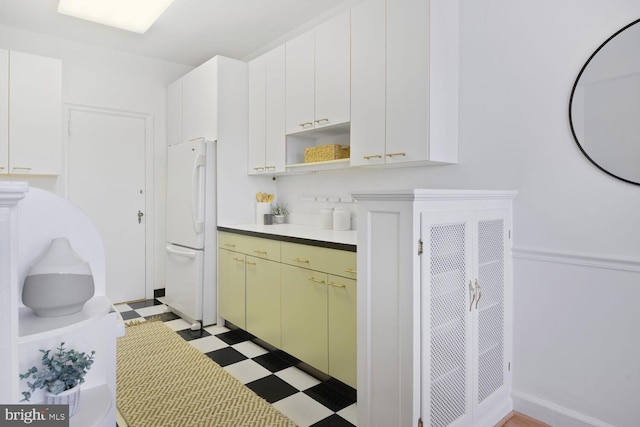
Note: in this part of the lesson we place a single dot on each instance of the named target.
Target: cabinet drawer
(332, 261)
(254, 246)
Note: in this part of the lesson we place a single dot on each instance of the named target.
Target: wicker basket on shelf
(322, 153)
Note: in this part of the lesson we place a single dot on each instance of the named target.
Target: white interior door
(106, 178)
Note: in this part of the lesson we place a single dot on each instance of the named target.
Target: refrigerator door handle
(196, 203)
(187, 254)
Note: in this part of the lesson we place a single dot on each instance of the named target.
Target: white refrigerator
(190, 251)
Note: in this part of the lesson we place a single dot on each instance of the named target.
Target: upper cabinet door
(275, 142)
(422, 81)
(257, 115)
(35, 121)
(4, 111)
(332, 71)
(174, 113)
(199, 106)
(267, 144)
(300, 65)
(368, 79)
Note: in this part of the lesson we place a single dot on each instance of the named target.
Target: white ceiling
(189, 32)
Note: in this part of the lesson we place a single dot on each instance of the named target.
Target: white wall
(110, 79)
(577, 239)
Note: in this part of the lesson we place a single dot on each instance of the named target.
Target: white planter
(278, 219)
(69, 397)
(59, 283)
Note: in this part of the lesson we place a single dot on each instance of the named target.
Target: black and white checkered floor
(273, 375)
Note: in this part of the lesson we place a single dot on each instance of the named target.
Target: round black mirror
(604, 108)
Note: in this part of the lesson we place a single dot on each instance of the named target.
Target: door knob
(140, 215)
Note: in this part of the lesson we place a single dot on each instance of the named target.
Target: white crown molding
(571, 258)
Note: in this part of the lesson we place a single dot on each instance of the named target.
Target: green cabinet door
(231, 287)
(304, 316)
(342, 329)
(263, 299)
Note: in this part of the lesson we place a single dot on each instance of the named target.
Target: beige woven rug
(164, 381)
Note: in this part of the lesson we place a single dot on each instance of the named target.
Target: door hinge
(420, 422)
(509, 366)
(509, 234)
(420, 247)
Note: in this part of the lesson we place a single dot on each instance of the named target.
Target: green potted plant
(61, 375)
(279, 210)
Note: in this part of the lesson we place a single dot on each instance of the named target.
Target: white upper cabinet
(300, 93)
(318, 76)
(30, 114)
(267, 112)
(174, 113)
(333, 71)
(419, 41)
(192, 108)
(199, 106)
(368, 121)
(4, 111)
(257, 115)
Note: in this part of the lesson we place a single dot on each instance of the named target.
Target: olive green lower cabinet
(299, 298)
(263, 299)
(342, 328)
(305, 330)
(231, 287)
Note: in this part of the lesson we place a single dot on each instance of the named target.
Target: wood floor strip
(516, 419)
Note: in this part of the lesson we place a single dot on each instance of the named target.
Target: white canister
(341, 219)
(261, 209)
(326, 218)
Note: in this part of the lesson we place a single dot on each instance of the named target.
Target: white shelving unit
(434, 276)
(29, 219)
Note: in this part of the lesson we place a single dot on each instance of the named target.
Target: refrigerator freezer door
(184, 279)
(185, 194)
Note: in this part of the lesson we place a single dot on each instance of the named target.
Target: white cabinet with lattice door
(434, 277)
(463, 315)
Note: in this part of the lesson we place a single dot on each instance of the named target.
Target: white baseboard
(551, 413)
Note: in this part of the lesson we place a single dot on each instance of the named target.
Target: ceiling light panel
(131, 15)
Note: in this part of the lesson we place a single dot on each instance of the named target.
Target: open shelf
(318, 166)
(33, 328)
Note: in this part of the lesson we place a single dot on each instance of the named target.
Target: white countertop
(299, 231)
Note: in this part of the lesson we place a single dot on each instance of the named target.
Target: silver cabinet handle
(305, 124)
(472, 294)
(479, 292)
